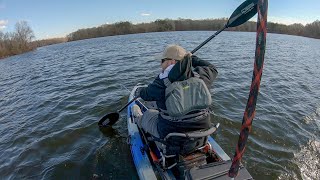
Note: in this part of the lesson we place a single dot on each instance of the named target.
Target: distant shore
(311, 30)
(11, 44)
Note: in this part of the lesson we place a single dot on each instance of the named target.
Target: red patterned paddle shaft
(254, 89)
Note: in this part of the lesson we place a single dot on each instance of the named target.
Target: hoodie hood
(182, 70)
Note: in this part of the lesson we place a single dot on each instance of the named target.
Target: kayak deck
(145, 167)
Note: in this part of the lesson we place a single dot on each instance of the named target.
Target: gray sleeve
(207, 71)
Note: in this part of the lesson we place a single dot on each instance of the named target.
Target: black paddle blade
(243, 13)
(109, 119)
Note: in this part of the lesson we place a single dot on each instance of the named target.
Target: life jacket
(186, 99)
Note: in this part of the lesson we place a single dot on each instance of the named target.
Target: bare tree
(17, 42)
(23, 35)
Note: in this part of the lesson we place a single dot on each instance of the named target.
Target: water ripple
(51, 99)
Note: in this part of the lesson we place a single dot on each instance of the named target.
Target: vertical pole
(254, 89)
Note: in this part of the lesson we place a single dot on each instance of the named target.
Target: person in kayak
(177, 66)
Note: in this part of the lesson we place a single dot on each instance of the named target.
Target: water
(52, 98)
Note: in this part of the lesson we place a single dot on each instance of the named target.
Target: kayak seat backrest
(186, 143)
(183, 146)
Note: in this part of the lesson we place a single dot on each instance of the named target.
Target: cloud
(3, 24)
(145, 14)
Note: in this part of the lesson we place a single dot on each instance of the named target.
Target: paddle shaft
(241, 15)
(209, 39)
(128, 104)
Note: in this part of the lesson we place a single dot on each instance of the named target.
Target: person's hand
(189, 54)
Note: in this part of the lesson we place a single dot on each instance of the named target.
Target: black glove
(137, 92)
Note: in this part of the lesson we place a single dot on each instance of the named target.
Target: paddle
(241, 15)
(111, 118)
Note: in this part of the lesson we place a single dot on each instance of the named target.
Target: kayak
(149, 159)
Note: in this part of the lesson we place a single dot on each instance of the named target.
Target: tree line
(50, 41)
(125, 27)
(21, 40)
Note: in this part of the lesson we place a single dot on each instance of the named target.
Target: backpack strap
(186, 118)
(196, 74)
(167, 82)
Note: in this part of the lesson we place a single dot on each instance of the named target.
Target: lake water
(52, 98)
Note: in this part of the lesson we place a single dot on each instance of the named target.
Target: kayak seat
(186, 143)
(183, 144)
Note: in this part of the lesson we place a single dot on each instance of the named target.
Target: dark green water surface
(52, 98)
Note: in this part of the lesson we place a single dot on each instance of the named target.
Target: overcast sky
(56, 18)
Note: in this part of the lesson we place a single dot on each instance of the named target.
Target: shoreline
(59, 42)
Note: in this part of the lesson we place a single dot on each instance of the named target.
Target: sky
(57, 18)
